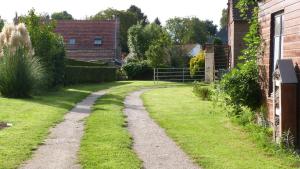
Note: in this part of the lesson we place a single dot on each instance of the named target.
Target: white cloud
(164, 9)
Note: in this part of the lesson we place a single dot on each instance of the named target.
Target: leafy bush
(87, 74)
(138, 70)
(245, 116)
(204, 92)
(197, 63)
(48, 46)
(241, 85)
(20, 73)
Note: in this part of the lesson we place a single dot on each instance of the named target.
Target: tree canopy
(224, 18)
(190, 30)
(157, 21)
(63, 15)
(142, 18)
(127, 19)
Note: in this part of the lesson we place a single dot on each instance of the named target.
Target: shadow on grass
(109, 99)
(66, 97)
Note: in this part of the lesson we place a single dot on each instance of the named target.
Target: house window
(277, 44)
(98, 41)
(72, 41)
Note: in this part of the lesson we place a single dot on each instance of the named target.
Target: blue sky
(164, 9)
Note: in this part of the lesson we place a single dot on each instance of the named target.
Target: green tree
(127, 19)
(224, 18)
(64, 15)
(190, 30)
(177, 29)
(142, 18)
(210, 27)
(137, 42)
(48, 46)
(157, 21)
(158, 51)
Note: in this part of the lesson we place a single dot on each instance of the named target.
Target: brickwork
(84, 32)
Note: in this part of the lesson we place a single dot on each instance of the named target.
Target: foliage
(127, 19)
(137, 42)
(178, 56)
(224, 18)
(157, 21)
(20, 73)
(48, 46)
(64, 15)
(1, 23)
(241, 84)
(252, 38)
(217, 41)
(287, 140)
(202, 91)
(157, 52)
(72, 62)
(190, 30)
(138, 70)
(197, 62)
(88, 74)
(151, 42)
(141, 17)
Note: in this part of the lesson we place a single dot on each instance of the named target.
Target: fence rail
(177, 75)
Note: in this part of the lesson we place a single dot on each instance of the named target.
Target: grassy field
(106, 142)
(32, 118)
(208, 136)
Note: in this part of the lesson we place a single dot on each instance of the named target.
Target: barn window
(98, 41)
(277, 44)
(72, 41)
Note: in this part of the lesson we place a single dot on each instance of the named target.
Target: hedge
(86, 74)
(72, 62)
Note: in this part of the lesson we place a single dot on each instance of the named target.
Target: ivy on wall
(252, 39)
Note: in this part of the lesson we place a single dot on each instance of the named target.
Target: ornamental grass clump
(20, 72)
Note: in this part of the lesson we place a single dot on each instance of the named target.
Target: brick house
(237, 28)
(91, 40)
(280, 30)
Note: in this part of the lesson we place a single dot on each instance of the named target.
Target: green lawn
(32, 118)
(106, 142)
(208, 136)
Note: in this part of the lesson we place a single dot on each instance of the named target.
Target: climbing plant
(241, 84)
(252, 38)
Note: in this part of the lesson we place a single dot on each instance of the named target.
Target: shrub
(204, 92)
(86, 74)
(197, 63)
(20, 73)
(72, 62)
(48, 46)
(138, 70)
(241, 85)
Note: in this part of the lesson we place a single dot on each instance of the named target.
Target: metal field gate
(177, 75)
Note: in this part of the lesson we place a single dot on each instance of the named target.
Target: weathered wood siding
(291, 37)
